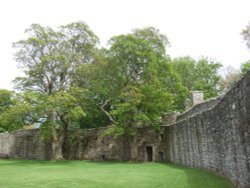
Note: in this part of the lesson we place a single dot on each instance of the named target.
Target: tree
(20, 112)
(245, 67)
(199, 75)
(129, 83)
(50, 60)
(5, 99)
(185, 68)
(246, 35)
(102, 86)
(5, 103)
(143, 73)
(229, 76)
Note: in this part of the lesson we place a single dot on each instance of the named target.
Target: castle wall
(28, 144)
(217, 139)
(91, 144)
(6, 145)
(87, 144)
(199, 108)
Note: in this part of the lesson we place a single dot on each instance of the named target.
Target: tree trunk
(58, 138)
(57, 149)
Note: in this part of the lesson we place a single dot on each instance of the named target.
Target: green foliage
(2, 130)
(246, 37)
(130, 84)
(157, 41)
(199, 75)
(16, 115)
(5, 99)
(5, 103)
(147, 81)
(117, 131)
(101, 83)
(171, 82)
(66, 106)
(50, 60)
(230, 75)
(245, 67)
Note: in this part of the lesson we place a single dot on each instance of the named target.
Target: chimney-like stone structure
(195, 97)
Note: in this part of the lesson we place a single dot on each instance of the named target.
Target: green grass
(86, 174)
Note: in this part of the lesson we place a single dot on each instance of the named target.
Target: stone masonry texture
(216, 139)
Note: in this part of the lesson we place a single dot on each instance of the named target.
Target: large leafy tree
(144, 72)
(50, 60)
(199, 74)
(132, 82)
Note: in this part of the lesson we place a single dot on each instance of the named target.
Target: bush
(2, 130)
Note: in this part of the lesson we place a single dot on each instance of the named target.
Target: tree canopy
(69, 82)
(201, 75)
(50, 60)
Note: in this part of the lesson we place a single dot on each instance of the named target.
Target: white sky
(194, 27)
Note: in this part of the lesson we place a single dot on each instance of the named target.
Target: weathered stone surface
(91, 144)
(218, 137)
(195, 97)
(200, 107)
(6, 145)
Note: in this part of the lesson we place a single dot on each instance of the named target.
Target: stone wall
(28, 144)
(199, 108)
(24, 144)
(6, 145)
(91, 144)
(217, 139)
(87, 144)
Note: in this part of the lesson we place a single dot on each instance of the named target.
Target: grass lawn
(86, 174)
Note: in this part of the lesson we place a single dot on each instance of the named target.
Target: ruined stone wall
(28, 144)
(91, 144)
(87, 144)
(24, 144)
(6, 145)
(199, 108)
(217, 139)
(148, 137)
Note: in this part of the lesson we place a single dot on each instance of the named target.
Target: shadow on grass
(197, 178)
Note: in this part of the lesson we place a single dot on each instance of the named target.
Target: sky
(195, 28)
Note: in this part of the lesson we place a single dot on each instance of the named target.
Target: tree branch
(103, 104)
